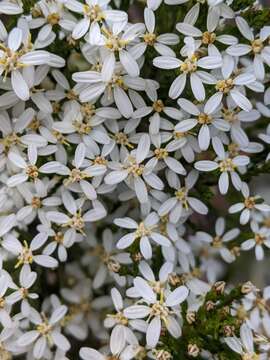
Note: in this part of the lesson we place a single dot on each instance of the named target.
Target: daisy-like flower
(81, 177)
(16, 55)
(76, 221)
(95, 14)
(143, 232)
(226, 165)
(261, 236)
(204, 117)
(83, 123)
(150, 38)
(13, 129)
(189, 68)
(257, 46)
(116, 41)
(248, 206)
(232, 85)
(182, 202)
(113, 83)
(24, 252)
(220, 240)
(37, 199)
(47, 332)
(157, 111)
(22, 294)
(30, 171)
(159, 309)
(157, 285)
(47, 15)
(134, 172)
(245, 345)
(209, 37)
(161, 156)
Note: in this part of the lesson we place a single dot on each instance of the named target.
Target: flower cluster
(129, 135)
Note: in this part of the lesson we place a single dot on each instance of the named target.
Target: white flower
(111, 82)
(259, 50)
(134, 172)
(208, 37)
(248, 206)
(204, 117)
(76, 221)
(225, 165)
(46, 334)
(232, 85)
(150, 38)
(180, 204)
(22, 293)
(159, 310)
(13, 58)
(25, 252)
(189, 67)
(220, 240)
(95, 15)
(145, 230)
(261, 236)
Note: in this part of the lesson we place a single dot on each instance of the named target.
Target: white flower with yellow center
(225, 165)
(160, 310)
(248, 207)
(189, 68)
(181, 203)
(261, 236)
(135, 174)
(47, 332)
(95, 14)
(143, 232)
(15, 55)
(258, 46)
(204, 117)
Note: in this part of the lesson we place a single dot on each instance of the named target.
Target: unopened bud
(228, 330)
(191, 317)
(219, 287)
(193, 350)
(209, 305)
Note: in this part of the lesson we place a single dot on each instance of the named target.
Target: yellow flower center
(122, 139)
(53, 18)
(227, 165)
(158, 106)
(161, 153)
(32, 171)
(142, 230)
(204, 119)
(189, 65)
(225, 85)
(149, 38)
(208, 38)
(249, 202)
(257, 46)
(259, 239)
(26, 256)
